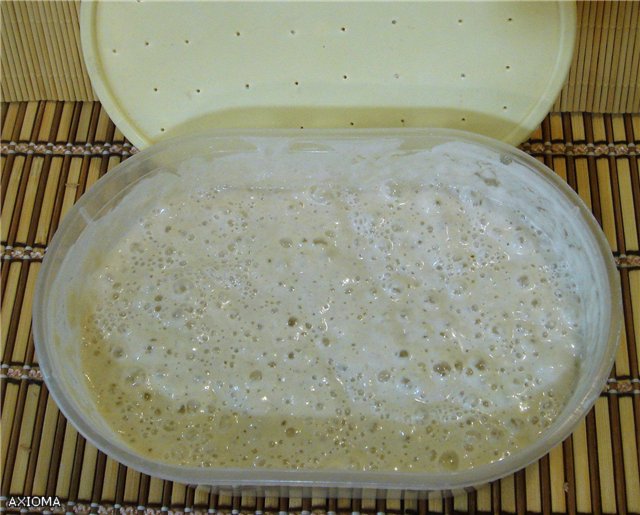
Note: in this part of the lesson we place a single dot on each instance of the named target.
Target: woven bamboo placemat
(53, 151)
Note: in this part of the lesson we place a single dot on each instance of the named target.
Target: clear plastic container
(62, 371)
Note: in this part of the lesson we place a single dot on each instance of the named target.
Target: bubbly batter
(406, 312)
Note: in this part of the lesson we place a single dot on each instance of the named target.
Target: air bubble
(442, 368)
(449, 460)
(384, 376)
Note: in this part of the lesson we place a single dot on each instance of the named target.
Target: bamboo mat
(53, 151)
(42, 56)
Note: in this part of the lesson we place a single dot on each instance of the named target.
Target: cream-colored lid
(166, 68)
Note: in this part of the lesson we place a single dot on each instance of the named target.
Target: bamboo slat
(42, 58)
(52, 152)
(44, 448)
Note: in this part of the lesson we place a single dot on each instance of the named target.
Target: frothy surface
(424, 322)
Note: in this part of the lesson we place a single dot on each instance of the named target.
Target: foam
(330, 318)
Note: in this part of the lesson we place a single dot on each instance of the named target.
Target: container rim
(329, 478)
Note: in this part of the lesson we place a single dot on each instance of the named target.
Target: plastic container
(494, 68)
(59, 359)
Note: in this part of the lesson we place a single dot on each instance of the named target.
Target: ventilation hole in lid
(155, 89)
(394, 22)
(161, 129)
(292, 32)
(114, 51)
(296, 83)
(352, 124)
(238, 33)
(396, 75)
(507, 67)
(504, 108)
(247, 86)
(344, 77)
(186, 41)
(462, 76)
(401, 120)
(509, 19)
(343, 29)
(463, 119)
(197, 91)
(460, 21)
(302, 126)
(146, 43)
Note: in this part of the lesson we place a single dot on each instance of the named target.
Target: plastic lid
(166, 68)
